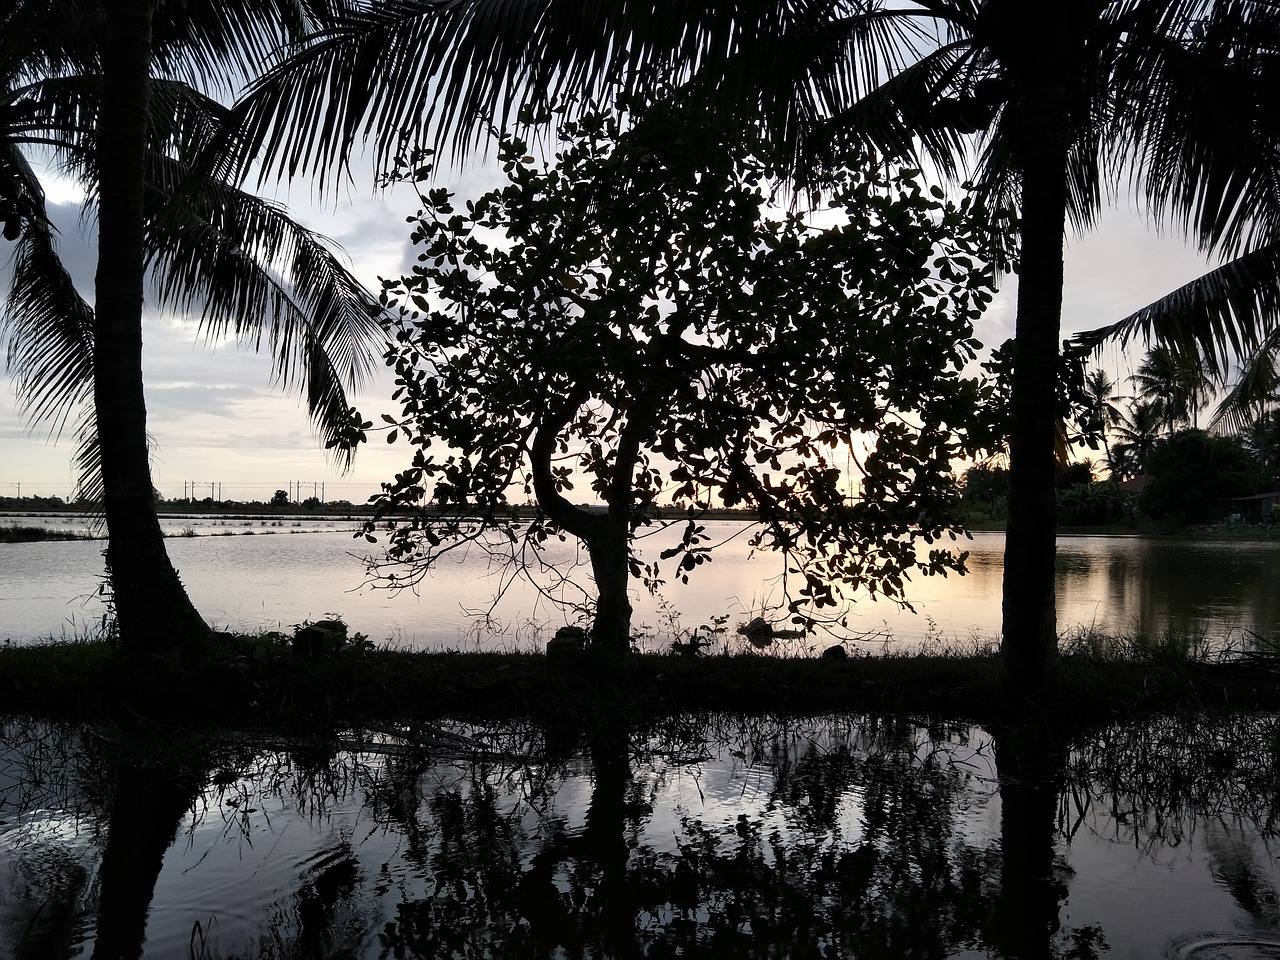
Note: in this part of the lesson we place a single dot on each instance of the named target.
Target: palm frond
(48, 326)
(400, 74)
(1199, 131)
(221, 45)
(1257, 387)
(53, 112)
(1217, 318)
(893, 117)
(90, 483)
(248, 270)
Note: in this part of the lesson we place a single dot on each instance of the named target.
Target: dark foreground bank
(251, 680)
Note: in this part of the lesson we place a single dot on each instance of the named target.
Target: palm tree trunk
(153, 611)
(1029, 643)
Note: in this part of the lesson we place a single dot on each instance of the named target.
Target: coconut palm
(1262, 440)
(82, 74)
(1122, 464)
(1070, 100)
(1138, 430)
(1103, 414)
(1172, 383)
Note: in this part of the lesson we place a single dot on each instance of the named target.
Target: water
(291, 570)
(710, 836)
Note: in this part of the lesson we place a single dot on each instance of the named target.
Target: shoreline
(260, 681)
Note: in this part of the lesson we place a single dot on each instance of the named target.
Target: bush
(1091, 505)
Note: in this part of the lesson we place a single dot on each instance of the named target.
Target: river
(272, 573)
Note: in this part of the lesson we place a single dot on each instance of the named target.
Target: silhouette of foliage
(1192, 473)
(638, 317)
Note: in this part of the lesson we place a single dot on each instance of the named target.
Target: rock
(835, 652)
(759, 632)
(567, 642)
(316, 641)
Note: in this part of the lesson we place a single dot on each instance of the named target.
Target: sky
(222, 428)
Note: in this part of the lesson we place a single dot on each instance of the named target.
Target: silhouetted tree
(644, 307)
(1192, 473)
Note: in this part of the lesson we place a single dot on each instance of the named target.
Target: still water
(710, 836)
(265, 574)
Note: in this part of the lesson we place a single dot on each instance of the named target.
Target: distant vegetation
(17, 533)
(1157, 469)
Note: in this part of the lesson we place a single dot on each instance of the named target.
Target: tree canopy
(1193, 473)
(639, 317)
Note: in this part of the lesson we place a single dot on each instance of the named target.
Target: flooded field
(701, 836)
(264, 573)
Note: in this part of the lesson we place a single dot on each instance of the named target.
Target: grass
(258, 679)
(19, 533)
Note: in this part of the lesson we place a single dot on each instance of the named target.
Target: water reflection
(706, 836)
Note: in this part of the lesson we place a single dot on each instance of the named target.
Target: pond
(267, 573)
(705, 836)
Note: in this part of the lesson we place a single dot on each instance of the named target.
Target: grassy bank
(249, 680)
(21, 533)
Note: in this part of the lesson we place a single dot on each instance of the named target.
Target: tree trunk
(608, 548)
(1029, 643)
(606, 537)
(153, 611)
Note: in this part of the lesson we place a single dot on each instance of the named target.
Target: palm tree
(1138, 430)
(1122, 464)
(1070, 99)
(1172, 384)
(83, 76)
(1099, 392)
(1207, 159)
(1262, 440)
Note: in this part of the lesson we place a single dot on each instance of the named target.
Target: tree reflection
(1031, 762)
(865, 837)
(897, 880)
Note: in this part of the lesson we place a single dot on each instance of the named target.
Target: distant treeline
(275, 507)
